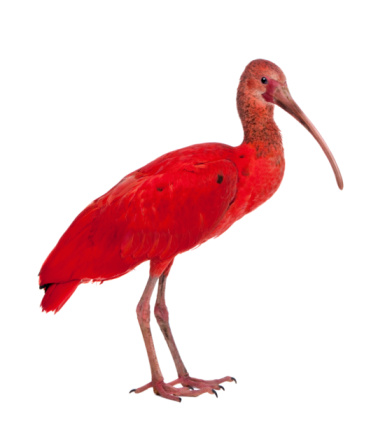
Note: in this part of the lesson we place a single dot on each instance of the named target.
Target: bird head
(263, 85)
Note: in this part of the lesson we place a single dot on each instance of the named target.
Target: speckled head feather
(255, 110)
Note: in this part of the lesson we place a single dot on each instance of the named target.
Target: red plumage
(174, 204)
(56, 295)
(167, 207)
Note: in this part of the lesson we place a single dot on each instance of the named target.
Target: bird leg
(159, 386)
(162, 316)
(143, 316)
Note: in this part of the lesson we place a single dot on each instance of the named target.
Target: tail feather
(57, 294)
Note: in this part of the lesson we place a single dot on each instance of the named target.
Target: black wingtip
(45, 287)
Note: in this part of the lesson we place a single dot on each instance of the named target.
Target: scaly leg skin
(159, 386)
(162, 316)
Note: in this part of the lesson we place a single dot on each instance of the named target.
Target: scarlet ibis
(173, 204)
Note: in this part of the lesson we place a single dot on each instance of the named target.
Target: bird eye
(264, 80)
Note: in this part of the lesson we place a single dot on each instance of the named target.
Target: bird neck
(260, 129)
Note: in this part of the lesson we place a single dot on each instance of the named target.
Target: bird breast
(259, 176)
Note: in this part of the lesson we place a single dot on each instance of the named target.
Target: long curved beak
(282, 98)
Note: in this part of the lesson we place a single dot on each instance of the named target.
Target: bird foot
(168, 391)
(200, 384)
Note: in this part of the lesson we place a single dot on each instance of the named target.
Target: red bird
(174, 204)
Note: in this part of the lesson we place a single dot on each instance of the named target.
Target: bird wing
(144, 217)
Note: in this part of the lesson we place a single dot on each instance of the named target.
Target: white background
(294, 300)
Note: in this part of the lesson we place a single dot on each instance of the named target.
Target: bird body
(171, 205)
(174, 204)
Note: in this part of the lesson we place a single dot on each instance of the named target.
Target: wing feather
(144, 217)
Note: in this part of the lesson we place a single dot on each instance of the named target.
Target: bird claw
(212, 385)
(191, 387)
(168, 391)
